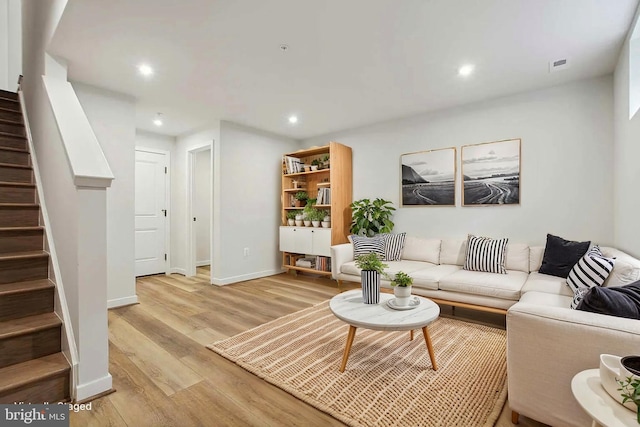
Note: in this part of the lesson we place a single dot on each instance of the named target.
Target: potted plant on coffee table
(372, 266)
(402, 288)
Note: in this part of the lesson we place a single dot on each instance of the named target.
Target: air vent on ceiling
(558, 64)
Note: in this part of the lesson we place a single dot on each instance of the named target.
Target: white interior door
(151, 219)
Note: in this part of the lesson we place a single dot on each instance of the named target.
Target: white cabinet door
(305, 240)
(296, 239)
(321, 241)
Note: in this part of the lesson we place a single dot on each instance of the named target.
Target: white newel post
(92, 334)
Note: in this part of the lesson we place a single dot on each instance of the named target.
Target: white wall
(112, 117)
(627, 170)
(202, 206)
(179, 180)
(567, 159)
(10, 44)
(247, 194)
(155, 141)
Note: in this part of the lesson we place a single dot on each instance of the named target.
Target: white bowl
(612, 370)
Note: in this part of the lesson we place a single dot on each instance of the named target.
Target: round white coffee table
(594, 399)
(350, 308)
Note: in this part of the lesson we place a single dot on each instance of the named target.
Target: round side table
(594, 399)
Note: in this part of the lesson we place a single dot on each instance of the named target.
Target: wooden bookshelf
(337, 178)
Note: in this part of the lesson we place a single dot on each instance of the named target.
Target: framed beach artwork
(429, 178)
(491, 173)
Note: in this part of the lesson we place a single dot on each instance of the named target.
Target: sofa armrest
(340, 254)
(547, 346)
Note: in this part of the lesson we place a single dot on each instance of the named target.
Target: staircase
(32, 366)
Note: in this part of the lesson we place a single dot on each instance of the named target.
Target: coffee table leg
(432, 356)
(411, 335)
(347, 349)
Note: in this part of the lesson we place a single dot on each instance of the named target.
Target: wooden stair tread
(19, 205)
(12, 135)
(14, 150)
(29, 324)
(11, 122)
(16, 184)
(21, 228)
(32, 371)
(22, 255)
(4, 98)
(27, 286)
(9, 110)
(11, 165)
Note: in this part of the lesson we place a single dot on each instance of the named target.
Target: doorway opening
(200, 191)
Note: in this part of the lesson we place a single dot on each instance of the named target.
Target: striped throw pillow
(393, 245)
(363, 245)
(591, 270)
(486, 254)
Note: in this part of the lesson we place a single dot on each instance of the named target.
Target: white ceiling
(349, 62)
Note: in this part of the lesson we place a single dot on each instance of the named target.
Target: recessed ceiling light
(145, 70)
(158, 120)
(465, 70)
(293, 119)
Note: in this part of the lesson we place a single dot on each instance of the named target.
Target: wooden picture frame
(491, 173)
(428, 178)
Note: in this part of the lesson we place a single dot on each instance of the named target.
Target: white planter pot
(315, 223)
(307, 223)
(299, 222)
(402, 294)
(370, 286)
(314, 168)
(327, 218)
(326, 224)
(291, 221)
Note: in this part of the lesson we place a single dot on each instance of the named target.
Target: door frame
(191, 235)
(167, 204)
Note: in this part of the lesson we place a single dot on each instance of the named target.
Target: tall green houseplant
(371, 217)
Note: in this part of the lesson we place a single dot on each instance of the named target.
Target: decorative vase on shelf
(370, 286)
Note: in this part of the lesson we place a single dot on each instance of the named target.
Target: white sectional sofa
(547, 342)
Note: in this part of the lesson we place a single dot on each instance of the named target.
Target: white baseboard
(119, 302)
(178, 271)
(93, 388)
(201, 263)
(242, 278)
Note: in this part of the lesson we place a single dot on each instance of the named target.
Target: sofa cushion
(453, 252)
(429, 278)
(535, 257)
(625, 271)
(592, 270)
(393, 267)
(517, 257)
(393, 244)
(547, 299)
(416, 249)
(621, 301)
(363, 245)
(485, 254)
(505, 286)
(538, 282)
(561, 255)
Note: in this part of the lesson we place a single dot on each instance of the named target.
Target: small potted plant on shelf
(326, 221)
(301, 198)
(316, 217)
(315, 164)
(325, 161)
(291, 217)
(402, 288)
(299, 218)
(372, 266)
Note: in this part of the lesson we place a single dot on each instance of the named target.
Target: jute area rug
(388, 380)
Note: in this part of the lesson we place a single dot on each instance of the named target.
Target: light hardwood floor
(164, 375)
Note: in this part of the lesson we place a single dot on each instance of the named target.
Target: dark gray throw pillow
(561, 255)
(623, 301)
